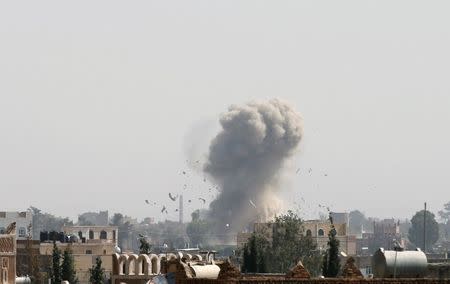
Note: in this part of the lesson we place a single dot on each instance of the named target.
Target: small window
(321, 232)
(80, 234)
(308, 233)
(22, 232)
(103, 235)
(2, 230)
(104, 251)
(91, 235)
(88, 251)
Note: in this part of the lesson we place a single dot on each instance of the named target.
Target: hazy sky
(102, 102)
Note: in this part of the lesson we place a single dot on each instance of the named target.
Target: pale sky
(102, 102)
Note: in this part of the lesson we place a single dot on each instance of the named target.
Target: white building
(24, 221)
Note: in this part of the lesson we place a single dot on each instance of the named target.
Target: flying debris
(176, 210)
(189, 201)
(251, 203)
(184, 172)
(164, 209)
(146, 201)
(202, 199)
(297, 171)
(173, 198)
(325, 175)
(197, 161)
(204, 179)
(309, 171)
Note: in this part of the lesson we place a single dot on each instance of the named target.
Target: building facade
(24, 221)
(90, 242)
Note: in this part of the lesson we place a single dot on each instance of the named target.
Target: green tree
(68, 272)
(288, 246)
(144, 246)
(415, 234)
(331, 262)
(445, 214)
(97, 272)
(197, 230)
(255, 254)
(55, 272)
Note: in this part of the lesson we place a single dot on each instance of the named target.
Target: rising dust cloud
(246, 158)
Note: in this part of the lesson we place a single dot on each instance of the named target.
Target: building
(24, 221)
(8, 256)
(87, 243)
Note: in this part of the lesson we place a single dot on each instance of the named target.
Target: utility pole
(180, 209)
(424, 228)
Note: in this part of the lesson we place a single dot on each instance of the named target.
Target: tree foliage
(331, 262)
(415, 234)
(68, 272)
(97, 272)
(55, 272)
(445, 213)
(288, 246)
(46, 222)
(197, 230)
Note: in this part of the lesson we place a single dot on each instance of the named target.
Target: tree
(145, 247)
(68, 267)
(288, 246)
(197, 230)
(415, 234)
(55, 272)
(255, 255)
(445, 214)
(331, 262)
(97, 272)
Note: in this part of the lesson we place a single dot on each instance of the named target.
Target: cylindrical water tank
(399, 264)
(209, 271)
(23, 280)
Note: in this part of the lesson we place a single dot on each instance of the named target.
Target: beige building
(92, 242)
(8, 258)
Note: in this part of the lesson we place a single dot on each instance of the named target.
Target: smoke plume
(246, 158)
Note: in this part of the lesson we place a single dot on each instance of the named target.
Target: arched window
(91, 235)
(321, 232)
(308, 233)
(103, 235)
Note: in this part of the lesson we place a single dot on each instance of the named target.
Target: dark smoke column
(246, 158)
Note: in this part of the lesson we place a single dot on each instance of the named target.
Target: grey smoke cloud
(246, 158)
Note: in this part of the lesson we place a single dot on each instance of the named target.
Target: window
(91, 235)
(80, 234)
(22, 232)
(2, 230)
(321, 232)
(103, 235)
(308, 233)
(88, 251)
(104, 251)
(114, 235)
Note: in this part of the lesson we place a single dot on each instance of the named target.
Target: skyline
(102, 113)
